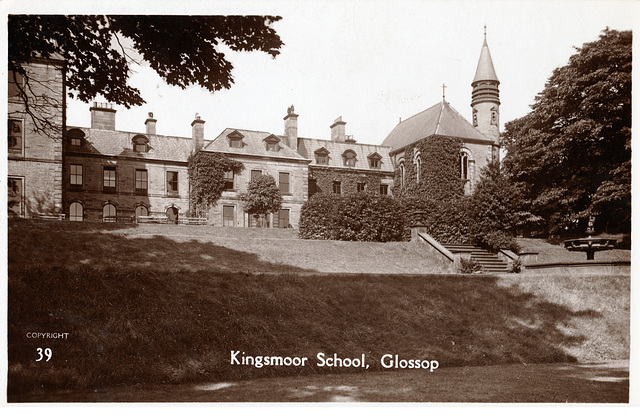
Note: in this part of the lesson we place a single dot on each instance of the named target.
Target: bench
(158, 219)
(192, 221)
(49, 216)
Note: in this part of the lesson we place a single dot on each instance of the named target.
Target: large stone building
(98, 173)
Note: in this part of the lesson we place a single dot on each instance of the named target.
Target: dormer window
(235, 139)
(76, 137)
(322, 156)
(375, 161)
(272, 143)
(140, 143)
(349, 158)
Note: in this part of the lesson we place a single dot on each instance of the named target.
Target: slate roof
(308, 146)
(440, 119)
(252, 145)
(485, 70)
(119, 144)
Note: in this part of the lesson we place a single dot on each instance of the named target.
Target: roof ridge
(419, 113)
(443, 104)
(465, 119)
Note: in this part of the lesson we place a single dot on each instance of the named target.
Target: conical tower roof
(485, 70)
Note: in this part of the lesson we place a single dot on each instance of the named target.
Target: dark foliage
(571, 154)
(263, 196)
(183, 50)
(357, 217)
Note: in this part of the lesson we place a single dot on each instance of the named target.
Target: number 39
(47, 353)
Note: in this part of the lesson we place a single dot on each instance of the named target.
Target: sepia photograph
(191, 220)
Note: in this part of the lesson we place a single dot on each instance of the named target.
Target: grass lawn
(156, 305)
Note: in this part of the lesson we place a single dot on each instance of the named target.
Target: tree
(571, 154)
(496, 210)
(184, 50)
(263, 197)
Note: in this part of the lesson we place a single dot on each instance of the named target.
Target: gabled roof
(336, 149)
(485, 70)
(440, 119)
(120, 144)
(252, 144)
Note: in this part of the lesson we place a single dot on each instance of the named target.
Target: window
(384, 189)
(76, 212)
(272, 146)
(281, 218)
(109, 213)
(283, 183)
(402, 174)
(313, 187)
(75, 175)
(142, 211)
(15, 136)
(418, 162)
(361, 187)
(349, 158)
(142, 181)
(337, 188)
(374, 162)
(15, 197)
(322, 156)
(16, 84)
(228, 215)
(109, 180)
(140, 143)
(229, 180)
(75, 136)
(255, 173)
(464, 166)
(172, 182)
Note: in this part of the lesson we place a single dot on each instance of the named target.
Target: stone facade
(35, 156)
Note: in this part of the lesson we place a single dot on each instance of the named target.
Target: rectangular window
(109, 180)
(313, 187)
(228, 216)
(75, 175)
(16, 84)
(172, 182)
(322, 159)
(76, 141)
(235, 142)
(361, 187)
(272, 147)
(15, 199)
(229, 180)
(374, 163)
(15, 136)
(283, 183)
(281, 218)
(384, 189)
(255, 173)
(142, 181)
(337, 188)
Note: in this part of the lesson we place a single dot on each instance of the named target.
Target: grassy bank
(129, 327)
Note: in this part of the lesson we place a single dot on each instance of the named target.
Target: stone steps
(489, 261)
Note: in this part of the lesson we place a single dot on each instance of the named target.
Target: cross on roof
(443, 87)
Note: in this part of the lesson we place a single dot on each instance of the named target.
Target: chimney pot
(103, 116)
(197, 133)
(150, 123)
(337, 130)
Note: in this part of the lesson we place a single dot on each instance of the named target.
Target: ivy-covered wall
(206, 179)
(348, 178)
(440, 169)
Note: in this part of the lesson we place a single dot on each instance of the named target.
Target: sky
(369, 62)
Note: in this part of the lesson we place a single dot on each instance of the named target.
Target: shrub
(469, 266)
(446, 220)
(358, 217)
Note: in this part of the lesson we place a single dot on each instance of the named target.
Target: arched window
(464, 166)
(349, 157)
(140, 143)
(417, 160)
(402, 174)
(142, 211)
(322, 156)
(76, 211)
(109, 213)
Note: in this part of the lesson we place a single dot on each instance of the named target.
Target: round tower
(485, 97)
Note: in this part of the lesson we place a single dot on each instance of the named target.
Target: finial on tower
(443, 87)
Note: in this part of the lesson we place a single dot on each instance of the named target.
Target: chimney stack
(291, 129)
(151, 124)
(103, 116)
(197, 133)
(337, 130)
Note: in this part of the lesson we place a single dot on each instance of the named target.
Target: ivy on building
(322, 180)
(439, 169)
(206, 179)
